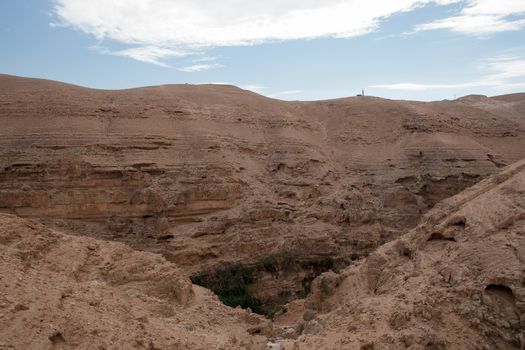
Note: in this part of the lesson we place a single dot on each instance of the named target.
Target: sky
(285, 49)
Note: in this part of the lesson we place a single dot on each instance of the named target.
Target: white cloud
(149, 54)
(481, 17)
(159, 28)
(199, 67)
(285, 93)
(255, 88)
(499, 73)
(505, 67)
(205, 59)
(290, 92)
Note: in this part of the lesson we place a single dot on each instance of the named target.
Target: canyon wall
(215, 177)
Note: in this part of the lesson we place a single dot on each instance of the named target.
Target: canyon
(350, 223)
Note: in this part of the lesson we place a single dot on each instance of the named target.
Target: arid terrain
(127, 216)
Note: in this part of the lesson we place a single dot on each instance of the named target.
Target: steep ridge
(224, 181)
(456, 281)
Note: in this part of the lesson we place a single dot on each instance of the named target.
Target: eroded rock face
(214, 175)
(266, 285)
(453, 282)
(456, 281)
(66, 292)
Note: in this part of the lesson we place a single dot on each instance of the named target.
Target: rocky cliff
(222, 181)
(456, 281)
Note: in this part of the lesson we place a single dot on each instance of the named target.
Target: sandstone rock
(479, 311)
(280, 176)
(118, 298)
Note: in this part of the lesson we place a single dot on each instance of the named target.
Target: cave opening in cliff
(500, 292)
(268, 284)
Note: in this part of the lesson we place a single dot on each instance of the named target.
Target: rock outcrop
(66, 292)
(456, 281)
(213, 176)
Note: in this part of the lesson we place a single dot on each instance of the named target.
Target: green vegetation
(325, 287)
(231, 283)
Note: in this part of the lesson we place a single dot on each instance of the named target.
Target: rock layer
(456, 281)
(213, 175)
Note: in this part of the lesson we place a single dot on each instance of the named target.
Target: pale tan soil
(66, 292)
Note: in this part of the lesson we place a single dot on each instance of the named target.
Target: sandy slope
(454, 282)
(67, 292)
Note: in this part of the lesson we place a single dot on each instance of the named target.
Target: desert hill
(224, 182)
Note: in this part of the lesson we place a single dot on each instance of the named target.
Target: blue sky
(287, 49)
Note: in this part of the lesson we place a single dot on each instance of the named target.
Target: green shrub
(324, 286)
(231, 286)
